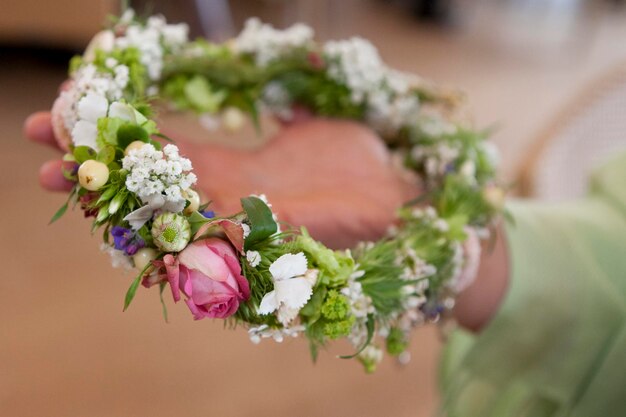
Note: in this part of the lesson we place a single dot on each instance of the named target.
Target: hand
(333, 177)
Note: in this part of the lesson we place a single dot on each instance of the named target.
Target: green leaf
(313, 308)
(107, 130)
(117, 202)
(60, 212)
(370, 334)
(197, 220)
(106, 155)
(161, 288)
(84, 153)
(262, 224)
(130, 294)
(201, 96)
(107, 195)
(128, 133)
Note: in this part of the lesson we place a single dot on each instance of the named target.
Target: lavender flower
(126, 240)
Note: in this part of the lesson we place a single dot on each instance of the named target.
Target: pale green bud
(171, 232)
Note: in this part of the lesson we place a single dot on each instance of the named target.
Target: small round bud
(233, 119)
(143, 257)
(93, 174)
(494, 196)
(132, 146)
(194, 201)
(171, 232)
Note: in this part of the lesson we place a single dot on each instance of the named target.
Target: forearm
(477, 304)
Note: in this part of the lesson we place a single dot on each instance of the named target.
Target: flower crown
(242, 267)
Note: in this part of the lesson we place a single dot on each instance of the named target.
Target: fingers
(38, 128)
(51, 176)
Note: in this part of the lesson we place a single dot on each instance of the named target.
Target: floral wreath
(242, 267)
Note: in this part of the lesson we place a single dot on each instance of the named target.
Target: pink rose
(208, 273)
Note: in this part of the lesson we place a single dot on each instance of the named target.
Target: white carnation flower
(293, 287)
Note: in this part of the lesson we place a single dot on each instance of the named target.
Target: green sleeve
(557, 347)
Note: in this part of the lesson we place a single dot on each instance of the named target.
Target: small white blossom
(293, 287)
(92, 107)
(264, 331)
(118, 257)
(85, 133)
(267, 43)
(253, 257)
(162, 173)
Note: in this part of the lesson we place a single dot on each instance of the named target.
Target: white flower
(264, 331)
(293, 287)
(267, 43)
(159, 173)
(85, 133)
(246, 230)
(253, 257)
(118, 257)
(92, 107)
(468, 169)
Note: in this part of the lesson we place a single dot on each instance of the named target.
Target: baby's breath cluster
(278, 282)
(165, 173)
(267, 44)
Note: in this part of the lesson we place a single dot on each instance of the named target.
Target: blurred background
(548, 75)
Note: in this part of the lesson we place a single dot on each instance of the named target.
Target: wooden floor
(66, 348)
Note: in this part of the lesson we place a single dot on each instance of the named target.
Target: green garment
(557, 346)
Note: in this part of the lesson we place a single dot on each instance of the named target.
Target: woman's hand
(333, 177)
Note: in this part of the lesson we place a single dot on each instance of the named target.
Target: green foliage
(130, 294)
(335, 267)
(83, 153)
(321, 94)
(61, 211)
(458, 198)
(201, 96)
(262, 223)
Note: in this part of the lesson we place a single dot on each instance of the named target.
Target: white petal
(123, 111)
(92, 107)
(253, 257)
(286, 315)
(288, 266)
(269, 303)
(294, 293)
(104, 40)
(85, 134)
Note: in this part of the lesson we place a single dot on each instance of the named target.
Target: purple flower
(209, 214)
(126, 240)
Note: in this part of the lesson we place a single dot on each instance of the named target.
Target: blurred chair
(590, 131)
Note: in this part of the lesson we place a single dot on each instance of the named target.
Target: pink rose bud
(208, 274)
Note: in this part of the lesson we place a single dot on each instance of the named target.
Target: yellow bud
(494, 196)
(133, 145)
(233, 119)
(194, 201)
(93, 174)
(143, 257)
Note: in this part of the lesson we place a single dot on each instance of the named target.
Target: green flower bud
(370, 357)
(171, 232)
(396, 341)
(336, 329)
(116, 202)
(336, 306)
